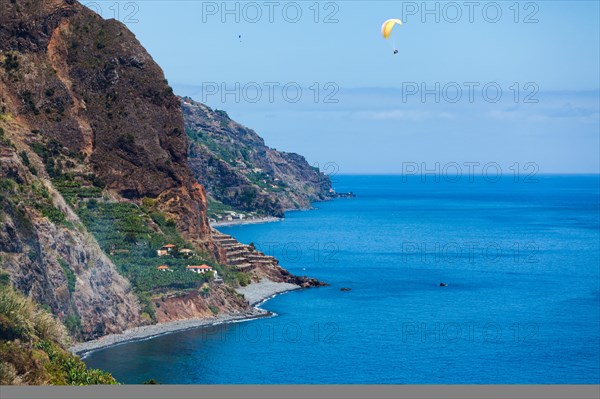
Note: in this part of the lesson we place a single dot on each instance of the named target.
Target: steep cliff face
(81, 100)
(94, 178)
(240, 171)
(88, 84)
(53, 259)
(209, 301)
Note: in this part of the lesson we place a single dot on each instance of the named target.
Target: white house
(201, 269)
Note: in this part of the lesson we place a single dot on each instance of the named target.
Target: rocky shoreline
(256, 294)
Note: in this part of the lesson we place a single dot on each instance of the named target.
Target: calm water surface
(522, 303)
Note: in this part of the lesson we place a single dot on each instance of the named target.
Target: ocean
(521, 264)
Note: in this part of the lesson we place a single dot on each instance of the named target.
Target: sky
(505, 82)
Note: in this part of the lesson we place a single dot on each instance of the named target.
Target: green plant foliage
(69, 275)
(235, 278)
(204, 138)
(33, 346)
(4, 140)
(131, 234)
(70, 370)
(73, 323)
(11, 62)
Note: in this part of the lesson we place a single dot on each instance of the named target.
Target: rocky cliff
(87, 84)
(82, 104)
(50, 256)
(241, 172)
(94, 178)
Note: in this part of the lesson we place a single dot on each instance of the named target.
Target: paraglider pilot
(387, 27)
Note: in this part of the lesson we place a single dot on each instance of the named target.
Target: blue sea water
(522, 304)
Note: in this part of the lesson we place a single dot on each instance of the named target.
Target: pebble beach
(255, 293)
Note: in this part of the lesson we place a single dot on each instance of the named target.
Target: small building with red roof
(166, 250)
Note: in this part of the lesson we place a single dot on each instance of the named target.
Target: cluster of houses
(257, 171)
(201, 269)
(171, 249)
(243, 167)
(194, 269)
(230, 216)
(260, 171)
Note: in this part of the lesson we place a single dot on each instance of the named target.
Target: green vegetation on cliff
(241, 173)
(130, 234)
(33, 346)
(87, 116)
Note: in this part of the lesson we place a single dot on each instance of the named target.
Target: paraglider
(387, 27)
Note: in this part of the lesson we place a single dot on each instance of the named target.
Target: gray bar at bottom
(304, 391)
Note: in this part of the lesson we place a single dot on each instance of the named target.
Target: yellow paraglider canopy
(386, 28)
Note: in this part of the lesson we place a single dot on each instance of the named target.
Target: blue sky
(378, 117)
